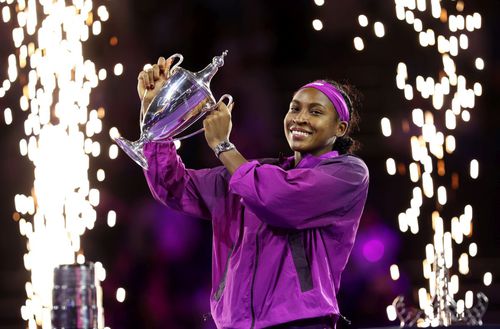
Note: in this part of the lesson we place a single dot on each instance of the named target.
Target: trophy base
(133, 150)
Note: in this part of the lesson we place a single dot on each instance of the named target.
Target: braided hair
(346, 144)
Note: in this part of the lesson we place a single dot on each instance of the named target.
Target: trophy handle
(172, 71)
(141, 112)
(203, 112)
(225, 96)
(176, 65)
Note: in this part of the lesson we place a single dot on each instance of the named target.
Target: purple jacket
(281, 235)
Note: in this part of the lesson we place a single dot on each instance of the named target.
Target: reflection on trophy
(183, 100)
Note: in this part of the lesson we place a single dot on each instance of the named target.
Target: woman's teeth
(299, 133)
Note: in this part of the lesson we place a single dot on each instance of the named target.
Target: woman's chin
(299, 148)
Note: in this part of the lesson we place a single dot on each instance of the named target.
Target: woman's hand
(218, 124)
(151, 80)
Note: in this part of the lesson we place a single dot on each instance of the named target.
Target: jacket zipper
(222, 283)
(252, 309)
(345, 319)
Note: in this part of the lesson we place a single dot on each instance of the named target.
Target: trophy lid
(205, 76)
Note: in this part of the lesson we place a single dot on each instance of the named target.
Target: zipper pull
(206, 316)
(345, 319)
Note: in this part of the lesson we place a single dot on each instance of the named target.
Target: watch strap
(223, 147)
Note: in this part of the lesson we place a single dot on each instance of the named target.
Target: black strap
(326, 322)
(296, 242)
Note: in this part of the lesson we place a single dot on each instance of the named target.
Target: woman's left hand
(218, 124)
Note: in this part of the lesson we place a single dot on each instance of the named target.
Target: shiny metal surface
(180, 103)
(183, 100)
(74, 297)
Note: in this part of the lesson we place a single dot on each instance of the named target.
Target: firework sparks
(56, 82)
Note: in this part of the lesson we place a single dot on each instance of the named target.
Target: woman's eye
(293, 109)
(316, 112)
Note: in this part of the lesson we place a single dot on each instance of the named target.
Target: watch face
(222, 147)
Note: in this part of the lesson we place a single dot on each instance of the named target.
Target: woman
(282, 230)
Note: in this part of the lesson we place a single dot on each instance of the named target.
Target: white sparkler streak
(394, 272)
(391, 313)
(450, 91)
(317, 24)
(48, 51)
(359, 44)
(391, 166)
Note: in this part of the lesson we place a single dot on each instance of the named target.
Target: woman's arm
(194, 192)
(302, 198)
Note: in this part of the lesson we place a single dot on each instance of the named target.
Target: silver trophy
(76, 298)
(183, 100)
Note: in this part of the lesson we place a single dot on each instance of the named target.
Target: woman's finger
(156, 72)
(145, 79)
(219, 106)
(140, 77)
(207, 122)
(223, 108)
(161, 63)
(168, 65)
(150, 75)
(164, 65)
(211, 114)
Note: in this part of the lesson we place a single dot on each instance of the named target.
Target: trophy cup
(76, 298)
(183, 100)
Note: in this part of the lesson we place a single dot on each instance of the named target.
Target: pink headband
(333, 95)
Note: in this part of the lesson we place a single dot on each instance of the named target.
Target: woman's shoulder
(353, 158)
(349, 162)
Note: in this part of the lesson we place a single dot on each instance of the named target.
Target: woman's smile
(299, 133)
(312, 124)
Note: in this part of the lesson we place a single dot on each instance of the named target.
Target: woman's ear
(342, 128)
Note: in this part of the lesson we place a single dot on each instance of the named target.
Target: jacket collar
(308, 160)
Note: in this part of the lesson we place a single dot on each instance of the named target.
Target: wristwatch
(223, 147)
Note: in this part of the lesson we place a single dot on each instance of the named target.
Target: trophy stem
(134, 149)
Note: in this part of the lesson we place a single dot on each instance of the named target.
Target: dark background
(161, 258)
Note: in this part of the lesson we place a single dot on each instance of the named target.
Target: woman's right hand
(151, 80)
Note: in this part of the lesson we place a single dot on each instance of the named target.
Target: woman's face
(312, 123)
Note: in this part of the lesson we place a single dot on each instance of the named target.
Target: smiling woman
(320, 118)
(282, 229)
(312, 124)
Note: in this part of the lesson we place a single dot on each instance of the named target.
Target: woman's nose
(301, 117)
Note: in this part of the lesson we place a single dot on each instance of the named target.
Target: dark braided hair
(352, 97)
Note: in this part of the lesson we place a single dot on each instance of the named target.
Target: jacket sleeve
(302, 198)
(193, 192)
